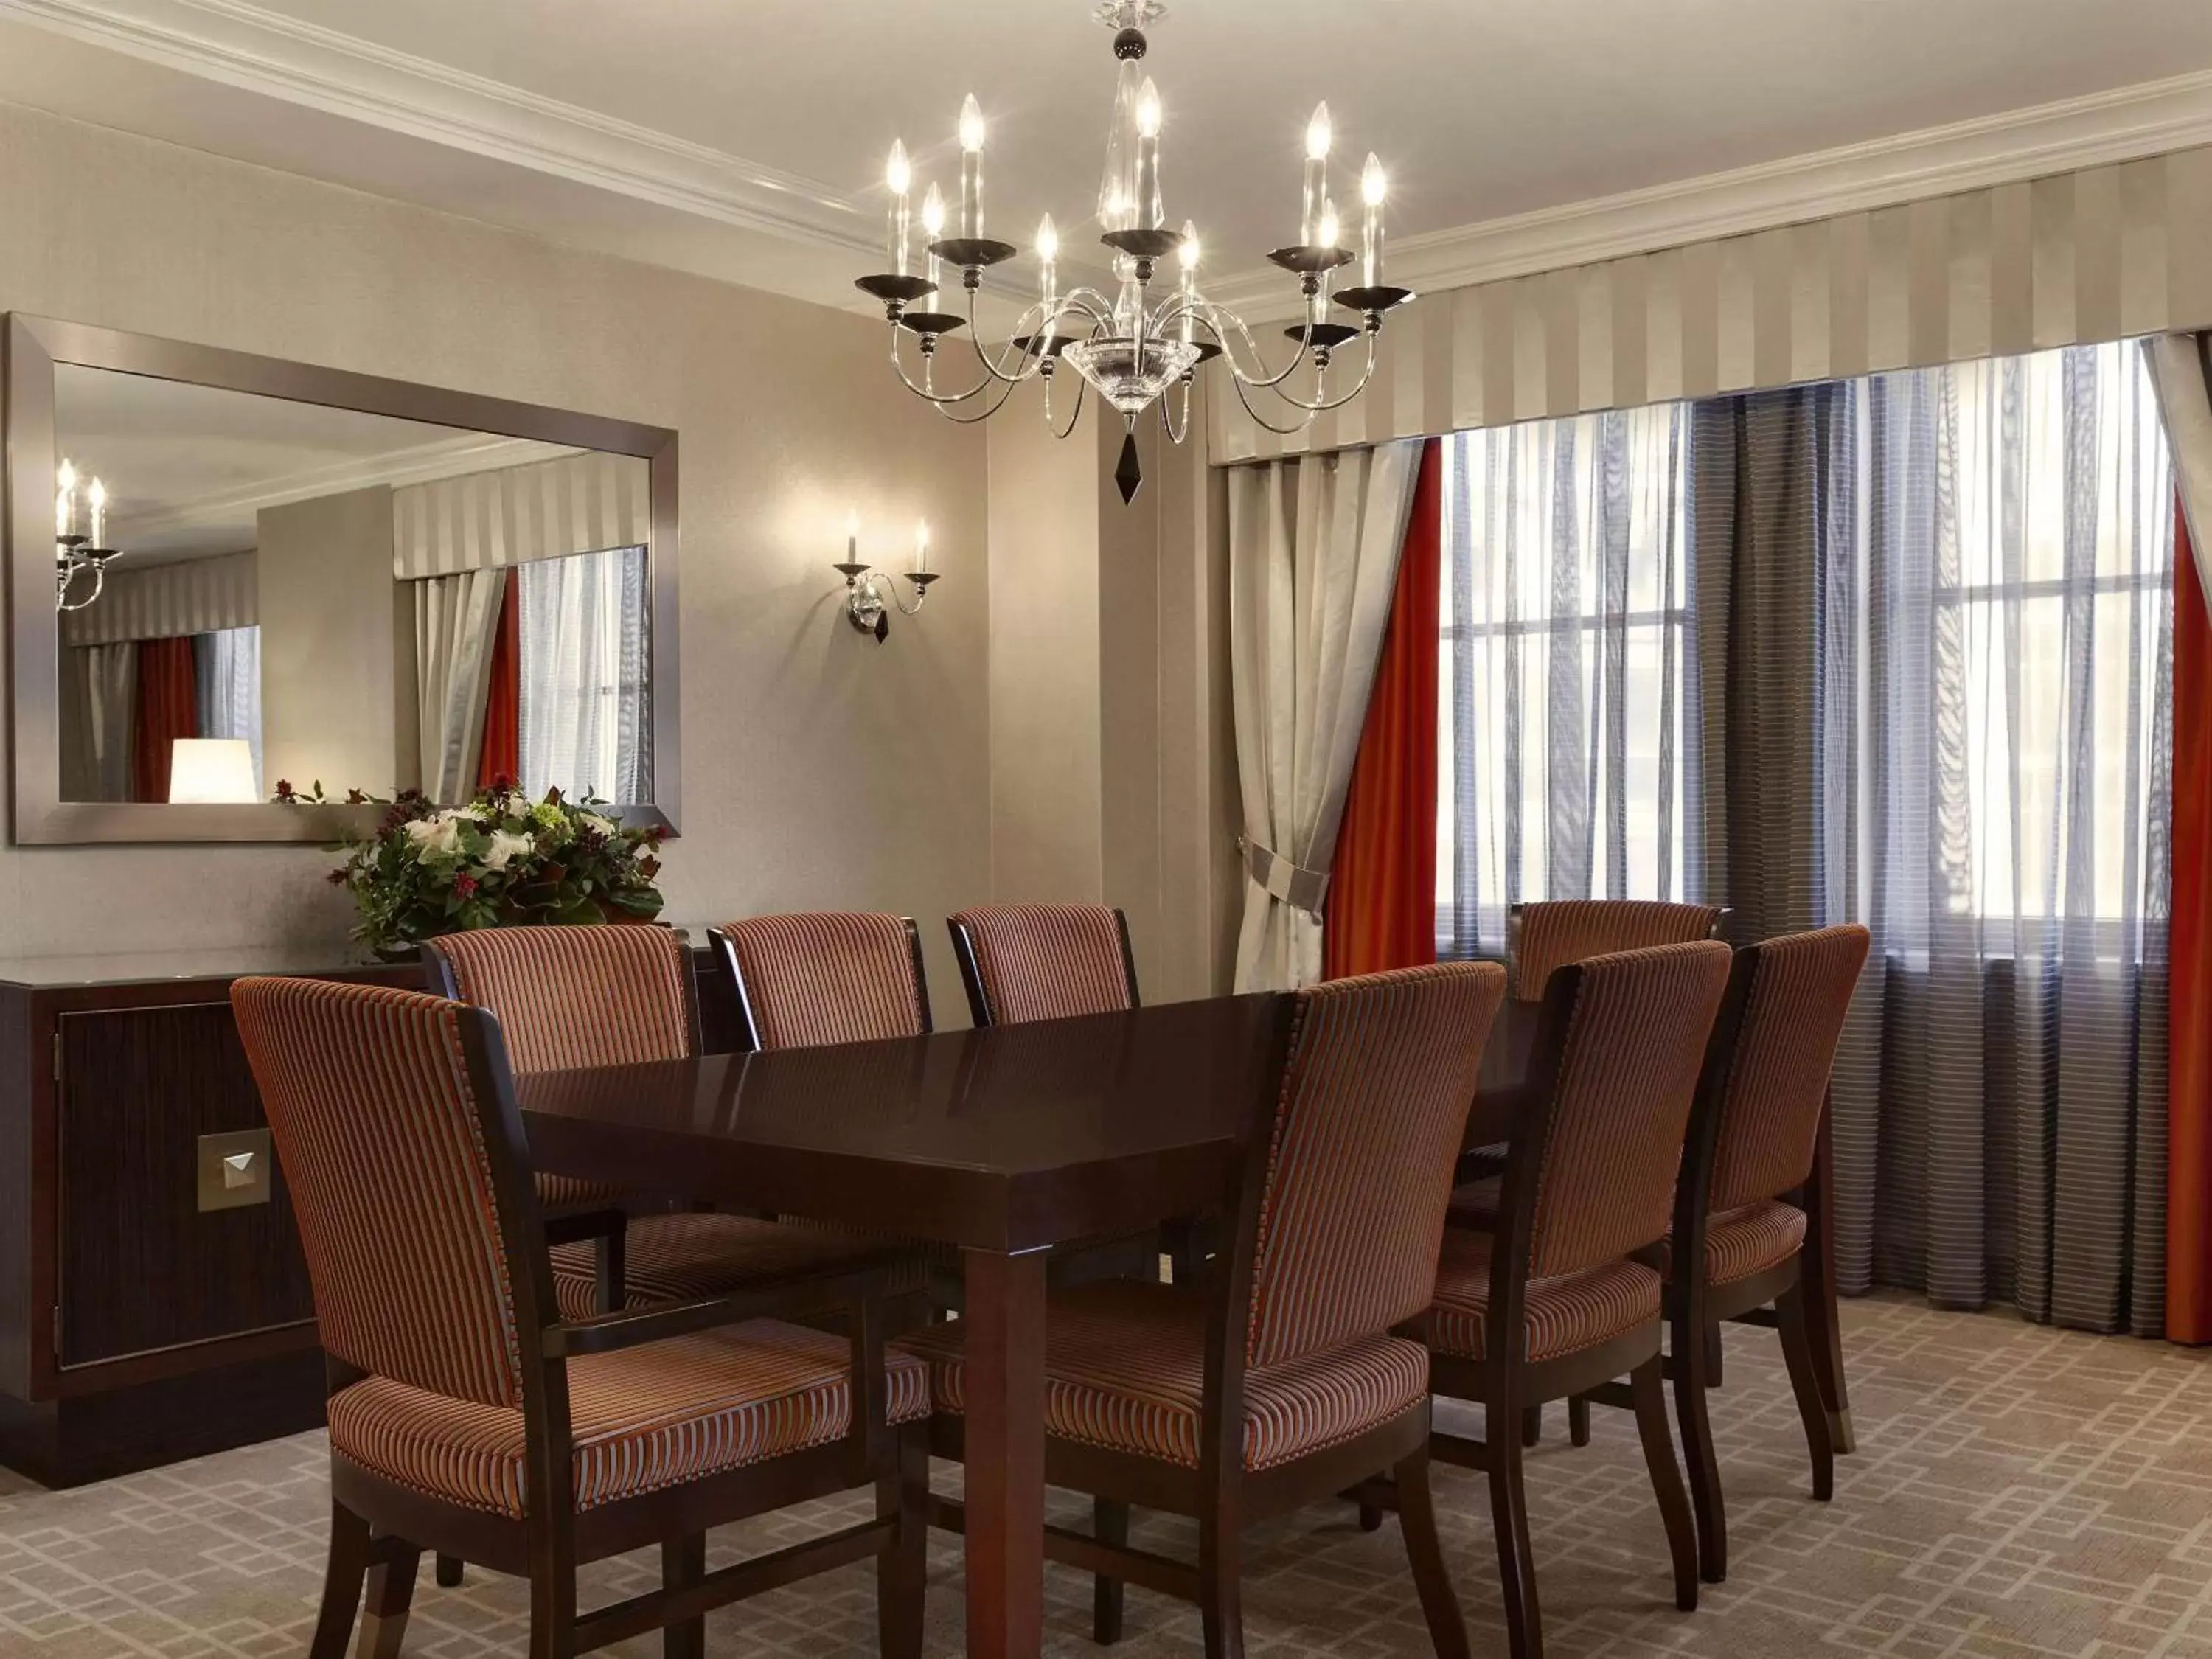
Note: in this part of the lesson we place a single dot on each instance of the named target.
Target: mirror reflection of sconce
(871, 593)
(75, 549)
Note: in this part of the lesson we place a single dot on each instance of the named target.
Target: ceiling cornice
(2150, 118)
(244, 46)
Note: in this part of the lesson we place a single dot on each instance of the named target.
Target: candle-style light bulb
(96, 495)
(898, 178)
(852, 538)
(1316, 178)
(933, 226)
(1188, 255)
(1149, 211)
(65, 498)
(920, 546)
(1326, 230)
(971, 167)
(1372, 187)
(1047, 254)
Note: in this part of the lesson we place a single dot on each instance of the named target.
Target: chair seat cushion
(643, 1417)
(691, 1256)
(556, 1192)
(1566, 1315)
(1125, 1366)
(1752, 1239)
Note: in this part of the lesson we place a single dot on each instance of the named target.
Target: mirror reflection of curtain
(228, 664)
(456, 627)
(585, 646)
(168, 709)
(99, 703)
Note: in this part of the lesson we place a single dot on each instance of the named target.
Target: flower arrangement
(503, 861)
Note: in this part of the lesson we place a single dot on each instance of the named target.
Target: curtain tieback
(1295, 885)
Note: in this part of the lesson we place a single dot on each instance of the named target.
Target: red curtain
(168, 707)
(501, 756)
(1382, 907)
(2188, 1101)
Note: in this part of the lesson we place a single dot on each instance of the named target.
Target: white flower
(504, 846)
(440, 835)
(598, 825)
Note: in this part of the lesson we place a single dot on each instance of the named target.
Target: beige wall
(818, 769)
(328, 671)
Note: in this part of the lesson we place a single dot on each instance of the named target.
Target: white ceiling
(187, 467)
(747, 140)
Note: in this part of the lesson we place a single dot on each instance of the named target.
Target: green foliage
(503, 861)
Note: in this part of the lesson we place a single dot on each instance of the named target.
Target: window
(586, 712)
(1568, 672)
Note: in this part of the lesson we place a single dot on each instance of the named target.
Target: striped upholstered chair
(469, 1418)
(571, 997)
(1737, 1243)
(1544, 938)
(1280, 1380)
(1024, 962)
(1559, 1297)
(825, 976)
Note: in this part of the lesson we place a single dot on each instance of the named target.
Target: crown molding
(2152, 117)
(448, 458)
(243, 45)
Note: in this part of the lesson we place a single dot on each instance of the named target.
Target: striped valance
(162, 601)
(2101, 254)
(581, 503)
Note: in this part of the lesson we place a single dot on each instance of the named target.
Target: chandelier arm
(1022, 325)
(1095, 307)
(1082, 385)
(1323, 403)
(927, 393)
(1005, 391)
(1244, 396)
(1211, 314)
(1176, 434)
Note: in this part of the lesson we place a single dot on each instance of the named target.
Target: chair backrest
(1773, 1081)
(1619, 1054)
(565, 998)
(1380, 1074)
(1025, 962)
(1549, 936)
(397, 1133)
(826, 976)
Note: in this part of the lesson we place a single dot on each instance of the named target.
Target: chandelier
(77, 551)
(1136, 349)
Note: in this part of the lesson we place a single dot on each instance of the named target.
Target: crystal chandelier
(79, 549)
(1136, 349)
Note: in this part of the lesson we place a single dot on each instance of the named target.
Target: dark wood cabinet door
(142, 1267)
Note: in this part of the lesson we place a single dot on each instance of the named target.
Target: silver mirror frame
(34, 345)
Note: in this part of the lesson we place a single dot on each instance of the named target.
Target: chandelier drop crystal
(1144, 344)
(79, 537)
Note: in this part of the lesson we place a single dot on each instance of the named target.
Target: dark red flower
(337, 878)
(284, 789)
(355, 797)
(500, 783)
(465, 885)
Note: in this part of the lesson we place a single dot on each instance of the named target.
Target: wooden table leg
(1819, 1270)
(1005, 1473)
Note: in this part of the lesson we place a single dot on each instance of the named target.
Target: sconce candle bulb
(1372, 185)
(898, 176)
(1316, 180)
(971, 167)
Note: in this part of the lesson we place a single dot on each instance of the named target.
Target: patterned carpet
(2017, 1492)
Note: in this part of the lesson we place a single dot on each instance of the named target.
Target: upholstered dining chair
(1737, 1243)
(1280, 1380)
(825, 976)
(1542, 937)
(1024, 962)
(469, 1417)
(1559, 1297)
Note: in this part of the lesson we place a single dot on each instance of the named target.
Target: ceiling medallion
(1136, 351)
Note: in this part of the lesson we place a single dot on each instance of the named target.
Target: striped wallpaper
(581, 503)
(162, 601)
(2099, 254)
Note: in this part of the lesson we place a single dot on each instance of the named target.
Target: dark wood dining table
(1006, 1143)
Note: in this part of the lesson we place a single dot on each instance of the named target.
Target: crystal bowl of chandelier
(1127, 344)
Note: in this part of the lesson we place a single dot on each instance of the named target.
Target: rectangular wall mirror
(227, 573)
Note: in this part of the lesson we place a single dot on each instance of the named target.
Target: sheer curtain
(1569, 677)
(586, 710)
(456, 628)
(228, 665)
(99, 707)
(2001, 1098)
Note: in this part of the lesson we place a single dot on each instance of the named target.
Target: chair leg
(1417, 1519)
(1371, 1518)
(1714, 1353)
(1517, 1566)
(683, 1562)
(610, 1271)
(1221, 1588)
(1805, 1381)
(1532, 1425)
(451, 1570)
(903, 1570)
(1690, 1353)
(1578, 1421)
(391, 1593)
(342, 1574)
(552, 1594)
(1109, 1524)
(1651, 1396)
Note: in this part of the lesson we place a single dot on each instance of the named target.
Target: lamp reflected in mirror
(212, 770)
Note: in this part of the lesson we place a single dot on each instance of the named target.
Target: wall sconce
(870, 593)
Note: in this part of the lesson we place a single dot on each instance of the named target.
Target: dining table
(1006, 1143)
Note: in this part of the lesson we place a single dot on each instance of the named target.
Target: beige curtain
(2181, 368)
(99, 707)
(1313, 558)
(455, 624)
